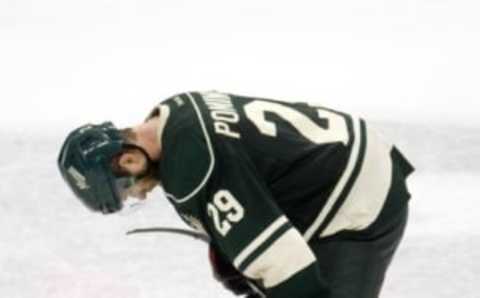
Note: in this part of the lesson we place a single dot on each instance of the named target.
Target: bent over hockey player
(301, 201)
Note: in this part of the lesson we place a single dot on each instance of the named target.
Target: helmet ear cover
(85, 164)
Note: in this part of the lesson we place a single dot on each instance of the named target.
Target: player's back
(299, 151)
(313, 161)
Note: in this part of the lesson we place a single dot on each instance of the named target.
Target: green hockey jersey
(263, 178)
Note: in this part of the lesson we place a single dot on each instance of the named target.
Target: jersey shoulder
(186, 160)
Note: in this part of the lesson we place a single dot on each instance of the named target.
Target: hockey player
(301, 200)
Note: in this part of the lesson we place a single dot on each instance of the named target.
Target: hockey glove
(231, 278)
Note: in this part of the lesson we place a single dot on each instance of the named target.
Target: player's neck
(147, 138)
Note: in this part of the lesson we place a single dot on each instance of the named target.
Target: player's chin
(139, 193)
(144, 194)
(140, 196)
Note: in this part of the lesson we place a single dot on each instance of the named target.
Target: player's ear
(132, 161)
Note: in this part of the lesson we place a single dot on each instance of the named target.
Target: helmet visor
(122, 184)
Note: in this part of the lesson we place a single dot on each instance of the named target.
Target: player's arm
(257, 238)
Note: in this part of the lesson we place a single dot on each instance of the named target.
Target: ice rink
(412, 67)
(53, 248)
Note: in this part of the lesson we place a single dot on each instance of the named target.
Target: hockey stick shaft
(193, 234)
(199, 236)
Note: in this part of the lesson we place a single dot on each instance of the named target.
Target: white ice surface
(62, 63)
(52, 247)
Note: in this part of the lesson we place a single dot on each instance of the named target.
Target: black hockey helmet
(85, 164)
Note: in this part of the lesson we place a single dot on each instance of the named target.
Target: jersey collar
(164, 114)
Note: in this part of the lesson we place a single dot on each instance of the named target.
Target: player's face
(134, 163)
(141, 188)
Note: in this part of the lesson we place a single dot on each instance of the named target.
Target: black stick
(196, 235)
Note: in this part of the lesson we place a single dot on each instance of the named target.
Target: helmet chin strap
(131, 204)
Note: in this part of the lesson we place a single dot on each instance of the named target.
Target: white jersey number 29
(336, 131)
(225, 206)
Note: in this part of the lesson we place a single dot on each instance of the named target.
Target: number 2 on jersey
(335, 132)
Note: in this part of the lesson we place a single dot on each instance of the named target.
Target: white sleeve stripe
(341, 183)
(250, 248)
(369, 193)
(288, 255)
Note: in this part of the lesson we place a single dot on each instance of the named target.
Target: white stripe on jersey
(367, 196)
(164, 114)
(287, 256)
(352, 161)
(250, 248)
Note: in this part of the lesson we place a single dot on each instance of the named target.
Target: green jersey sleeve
(245, 223)
(215, 186)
